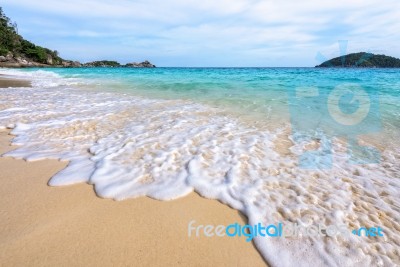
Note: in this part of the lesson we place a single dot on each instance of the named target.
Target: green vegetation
(103, 63)
(12, 42)
(113, 64)
(18, 52)
(7, 34)
(362, 60)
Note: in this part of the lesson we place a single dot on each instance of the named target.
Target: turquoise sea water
(245, 136)
(240, 86)
(261, 93)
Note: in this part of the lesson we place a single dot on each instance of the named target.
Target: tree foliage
(12, 42)
(103, 63)
(362, 60)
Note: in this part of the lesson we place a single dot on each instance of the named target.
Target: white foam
(130, 147)
(44, 78)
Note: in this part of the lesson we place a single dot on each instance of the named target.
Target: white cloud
(220, 31)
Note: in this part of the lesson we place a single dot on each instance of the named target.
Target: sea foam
(129, 146)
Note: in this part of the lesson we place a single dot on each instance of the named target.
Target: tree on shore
(12, 42)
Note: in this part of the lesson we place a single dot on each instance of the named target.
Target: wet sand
(6, 82)
(70, 226)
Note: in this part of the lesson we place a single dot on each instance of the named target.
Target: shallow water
(230, 134)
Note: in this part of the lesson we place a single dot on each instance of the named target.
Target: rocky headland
(16, 52)
(361, 60)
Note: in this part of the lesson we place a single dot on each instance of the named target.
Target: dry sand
(71, 226)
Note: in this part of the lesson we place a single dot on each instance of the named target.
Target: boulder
(3, 59)
(10, 57)
(71, 64)
(21, 61)
(66, 64)
(144, 64)
(49, 60)
(76, 64)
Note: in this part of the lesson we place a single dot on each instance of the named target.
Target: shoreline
(49, 226)
(6, 82)
(175, 146)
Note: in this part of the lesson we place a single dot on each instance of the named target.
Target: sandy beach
(6, 82)
(154, 133)
(70, 226)
(103, 174)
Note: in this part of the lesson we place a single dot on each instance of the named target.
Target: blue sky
(208, 33)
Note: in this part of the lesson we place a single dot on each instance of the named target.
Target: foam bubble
(128, 147)
(44, 78)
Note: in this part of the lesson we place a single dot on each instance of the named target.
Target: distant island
(361, 60)
(107, 63)
(16, 52)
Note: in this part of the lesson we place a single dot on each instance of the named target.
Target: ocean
(309, 146)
